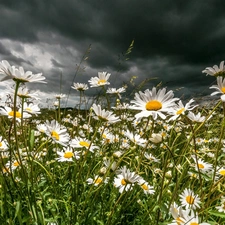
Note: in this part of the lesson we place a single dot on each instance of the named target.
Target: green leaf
(216, 213)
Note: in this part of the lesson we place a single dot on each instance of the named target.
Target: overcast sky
(173, 41)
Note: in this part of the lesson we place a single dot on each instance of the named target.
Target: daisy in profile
(100, 80)
(191, 218)
(151, 158)
(80, 86)
(220, 87)
(189, 200)
(3, 144)
(57, 132)
(31, 108)
(135, 138)
(153, 103)
(180, 109)
(67, 155)
(204, 167)
(215, 70)
(97, 180)
(178, 214)
(104, 115)
(125, 179)
(78, 142)
(148, 189)
(8, 111)
(221, 207)
(220, 173)
(196, 117)
(116, 91)
(18, 74)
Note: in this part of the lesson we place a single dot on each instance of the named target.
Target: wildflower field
(151, 160)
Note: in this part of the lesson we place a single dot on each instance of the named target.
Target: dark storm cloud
(174, 40)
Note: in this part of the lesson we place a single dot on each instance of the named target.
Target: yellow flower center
(153, 105)
(102, 81)
(190, 200)
(16, 163)
(0, 144)
(194, 223)
(179, 221)
(123, 182)
(28, 109)
(201, 166)
(84, 144)
(180, 111)
(68, 155)
(222, 172)
(18, 114)
(98, 180)
(55, 135)
(144, 186)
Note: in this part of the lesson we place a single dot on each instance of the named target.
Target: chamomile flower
(31, 108)
(135, 138)
(7, 70)
(116, 91)
(151, 158)
(220, 87)
(177, 214)
(189, 199)
(3, 144)
(221, 207)
(148, 189)
(101, 80)
(67, 155)
(97, 180)
(215, 70)
(57, 132)
(153, 103)
(80, 86)
(191, 218)
(7, 111)
(104, 115)
(78, 142)
(125, 179)
(204, 167)
(156, 138)
(196, 117)
(180, 109)
(221, 172)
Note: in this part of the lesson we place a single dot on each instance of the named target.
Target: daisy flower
(192, 219)
(135, 138)
(189, 199)
(196, 118)
(221, 207)
(101, 80)
(57, 132)
(7, 111)
(7, 70)
(67, 155)
(215, 70)
(146, 187)
(125, 179)
(78, 142)
(31, 108)
(60, 96)
(156, 138)
(80, 86)
(177, 214)
(204, 167)
(220, 87)
(3, 144)
(153, 103)
(116, 91)
(180, 109)
(97, 180)
(104, 115)
(220, 172)
(18, 74)
(151, 158)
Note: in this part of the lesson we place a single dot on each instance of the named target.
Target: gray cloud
(174, 41)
